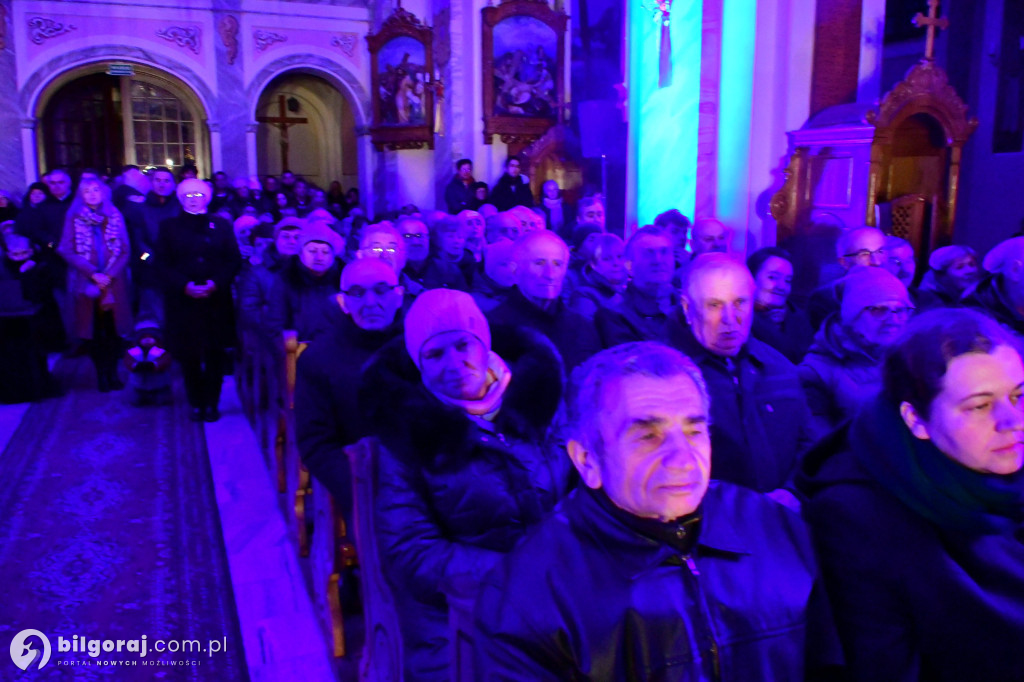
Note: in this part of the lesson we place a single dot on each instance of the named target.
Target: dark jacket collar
(682, 338)
(517, 301)
(647, 305)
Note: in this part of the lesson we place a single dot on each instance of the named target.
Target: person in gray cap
(1000, 294)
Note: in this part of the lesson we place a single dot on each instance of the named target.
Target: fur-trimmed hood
(411, 421)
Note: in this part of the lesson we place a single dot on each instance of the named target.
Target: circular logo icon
(25, 653)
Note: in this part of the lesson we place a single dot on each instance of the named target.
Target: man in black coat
(161, 204)
(643, 313)
(512, 189)
(651, 571)
(44, 225)
(761, 423)
(326, 406)
(458, 195)
(859, 246)
(542, 260)
(423, 271)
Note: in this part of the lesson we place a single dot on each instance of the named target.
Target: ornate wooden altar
(895, 165)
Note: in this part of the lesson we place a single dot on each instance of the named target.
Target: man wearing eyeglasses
(859, 246)
(422, 270)
(326, 410)
(842, 369)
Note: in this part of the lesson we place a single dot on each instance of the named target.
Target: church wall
(12, 165)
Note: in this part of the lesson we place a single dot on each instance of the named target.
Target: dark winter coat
(458, 196)
(593, 594)
(197, 248)
(487, 293)
(299, 300)
(434, 273)
(254, 293)
(839, 374)
(913, 599)
(510, 192)
(327, 416)
(592, 293)
(792, 337)
(155, 210)
(44, 225)
(825, 300)
(760, 422)
(638, 317)
(989, 296)
(453, 497)
(573, 335)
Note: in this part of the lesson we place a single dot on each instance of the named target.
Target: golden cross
(932, 21)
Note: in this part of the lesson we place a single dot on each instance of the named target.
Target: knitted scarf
(498, 378)
(85, 221)
(929, 482)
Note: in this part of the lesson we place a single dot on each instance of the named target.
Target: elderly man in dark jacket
(643, 313)
(327, 377)
(760, 419)
(468, 463)
(651, 571)
(542, 260)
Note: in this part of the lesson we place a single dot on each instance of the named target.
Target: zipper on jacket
(716, 667)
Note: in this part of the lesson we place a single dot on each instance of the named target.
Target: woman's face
(978, 418)
(91, 195)
(452, 243)
(317, 256)
(454, 364)
(774, 282)
(963, 272)
(36, 196)
(609, 261)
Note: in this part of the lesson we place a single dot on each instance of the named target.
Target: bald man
(760, 422)
(326, 411)
(541, 262)
(1001, 292)
(857, 246)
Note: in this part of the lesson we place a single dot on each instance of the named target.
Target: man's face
(882, 323)
(719, 307)
(551, 190)
(466, 172)
(452, 243)
(540, 271)
(318, 257)
(287, 242)
(652, 261)
(195, 202)
(372, 299)
(901, 263)
(59, 184)
(507, 227)
(594, 213)
(656, 459)
(270, 185)
(472, 224)
(513, 168)
(867, 247)
(383, 245)
(163, 183)
(301, 189)
(708, 236)
(288, 179)
(609, 261)
(417, 240)
(500, 266)
(220, 182)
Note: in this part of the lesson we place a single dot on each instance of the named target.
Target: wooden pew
(382, 652)
(296, 475)
(331, 554)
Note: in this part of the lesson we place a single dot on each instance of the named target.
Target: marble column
(14, 176)
(234, 111)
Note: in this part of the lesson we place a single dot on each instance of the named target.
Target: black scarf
(932, 484)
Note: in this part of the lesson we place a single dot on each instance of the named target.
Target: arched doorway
(306, 126)
(93, 120)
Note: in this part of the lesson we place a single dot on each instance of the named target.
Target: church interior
(789, 124)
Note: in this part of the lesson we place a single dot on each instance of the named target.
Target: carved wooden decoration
(402, 72)
(523, 71)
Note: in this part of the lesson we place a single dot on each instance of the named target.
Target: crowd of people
(639, 455)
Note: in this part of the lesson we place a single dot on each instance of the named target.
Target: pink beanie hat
(437, 311)
(866, 286)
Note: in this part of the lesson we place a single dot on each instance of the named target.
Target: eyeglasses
(378, 250)
(880, 312)
(865, 253)
(194, 195)
(414, 235)
(379, 289)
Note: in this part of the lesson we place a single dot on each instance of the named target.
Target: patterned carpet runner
(109, 530)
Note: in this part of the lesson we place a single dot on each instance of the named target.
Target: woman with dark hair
(777, 320)
(37, 193)
(96, 247)
(917, 509)
(480, 195)
(468, 462)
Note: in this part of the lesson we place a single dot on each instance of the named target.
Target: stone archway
(169, 75)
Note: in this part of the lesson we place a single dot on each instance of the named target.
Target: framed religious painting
(523, 70)
(401, 68)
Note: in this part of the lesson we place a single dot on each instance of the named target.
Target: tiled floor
(283, 639)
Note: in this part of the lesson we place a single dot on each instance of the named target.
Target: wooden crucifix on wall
(282, 121)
